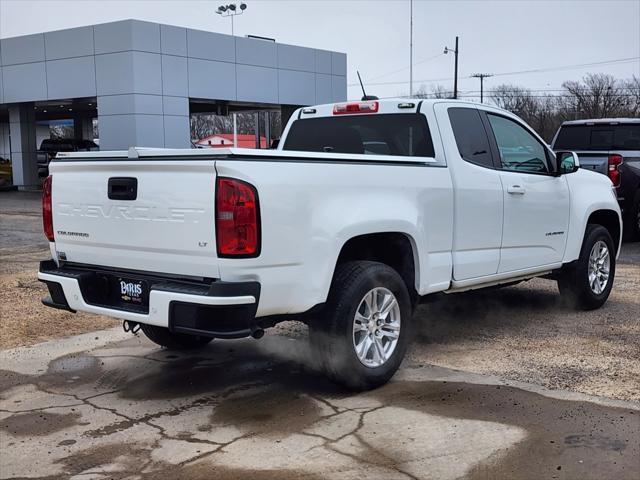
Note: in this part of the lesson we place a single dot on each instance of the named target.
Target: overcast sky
(495, 36)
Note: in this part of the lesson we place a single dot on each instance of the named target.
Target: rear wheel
(587, 282)
(173, 341)
(362, 336)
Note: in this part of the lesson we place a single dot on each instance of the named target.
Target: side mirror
(567, 162)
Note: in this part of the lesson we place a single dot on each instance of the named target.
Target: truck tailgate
(166, 226)
(594, 161)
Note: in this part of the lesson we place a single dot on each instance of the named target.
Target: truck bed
(169, 227)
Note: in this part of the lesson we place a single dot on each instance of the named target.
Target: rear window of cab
(403, 134)
(599, 137)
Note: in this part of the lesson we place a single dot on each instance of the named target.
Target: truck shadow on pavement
(267, 398)
(510, 310)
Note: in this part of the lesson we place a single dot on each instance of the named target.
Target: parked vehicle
(610, 146)
(199, 244)
(6, 173)
(49, 147)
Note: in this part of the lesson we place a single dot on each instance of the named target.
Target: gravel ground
(525, 333)
(522, 333)
(25, 321)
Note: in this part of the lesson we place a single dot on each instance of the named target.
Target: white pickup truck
(365, 209)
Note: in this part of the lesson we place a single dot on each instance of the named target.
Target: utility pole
(411, 48)
(455, 70)
(455, 73)
(482, 76)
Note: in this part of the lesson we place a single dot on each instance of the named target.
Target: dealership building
(142, 81)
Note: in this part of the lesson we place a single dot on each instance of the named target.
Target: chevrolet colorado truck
(610, 146)
(364, 210)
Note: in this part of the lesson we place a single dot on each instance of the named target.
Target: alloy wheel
(376, 327)
(599, 266)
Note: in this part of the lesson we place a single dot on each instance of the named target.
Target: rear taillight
(47, 213)
(237, 219)
(613, 171)
(356, 107)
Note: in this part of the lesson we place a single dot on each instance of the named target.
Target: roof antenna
(365, 97)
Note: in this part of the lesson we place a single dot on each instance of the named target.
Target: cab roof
(386, 105)
(607, 121)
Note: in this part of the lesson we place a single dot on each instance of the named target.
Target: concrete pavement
(108, 405)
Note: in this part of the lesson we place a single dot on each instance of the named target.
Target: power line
(535, 70)
(482, 76)
(469, 95)
(447, 95)
(525, 90)
(404, 82)
(399, 70)
(525, 93)
(569, 67)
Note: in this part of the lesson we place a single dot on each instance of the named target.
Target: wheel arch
(602, 215)
(395, 249)
(610, 220)
(592, 202)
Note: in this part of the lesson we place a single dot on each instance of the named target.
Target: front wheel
(362, 335)
(587, 282)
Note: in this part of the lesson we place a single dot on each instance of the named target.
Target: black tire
(573, 281)
(173, 341)
(331, 333)
(632, 220)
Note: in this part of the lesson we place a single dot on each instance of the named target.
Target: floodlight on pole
(231, 10)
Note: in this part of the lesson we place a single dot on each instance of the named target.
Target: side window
(519, 150)
(471, 136)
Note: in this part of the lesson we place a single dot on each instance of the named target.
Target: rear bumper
(208, 307)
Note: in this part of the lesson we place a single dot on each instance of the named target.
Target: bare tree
(632, 89)
(203, 125)
(436, 92)
(544, 117)
(515, 99)
(440, 92)
(595, 96)
(598, 95)
(61, 131)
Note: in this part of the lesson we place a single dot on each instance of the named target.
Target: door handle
(516, 190)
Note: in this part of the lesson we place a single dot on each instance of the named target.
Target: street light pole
(411, 48)
(455, 70)
(455, 73)
(481, 76)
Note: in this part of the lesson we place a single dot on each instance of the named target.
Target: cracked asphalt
(107, 405)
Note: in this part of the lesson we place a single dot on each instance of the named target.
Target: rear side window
(598, 137)
(471, 137)
(405, 134)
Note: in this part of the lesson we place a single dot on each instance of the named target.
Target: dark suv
(51, 146)
(610, 146)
